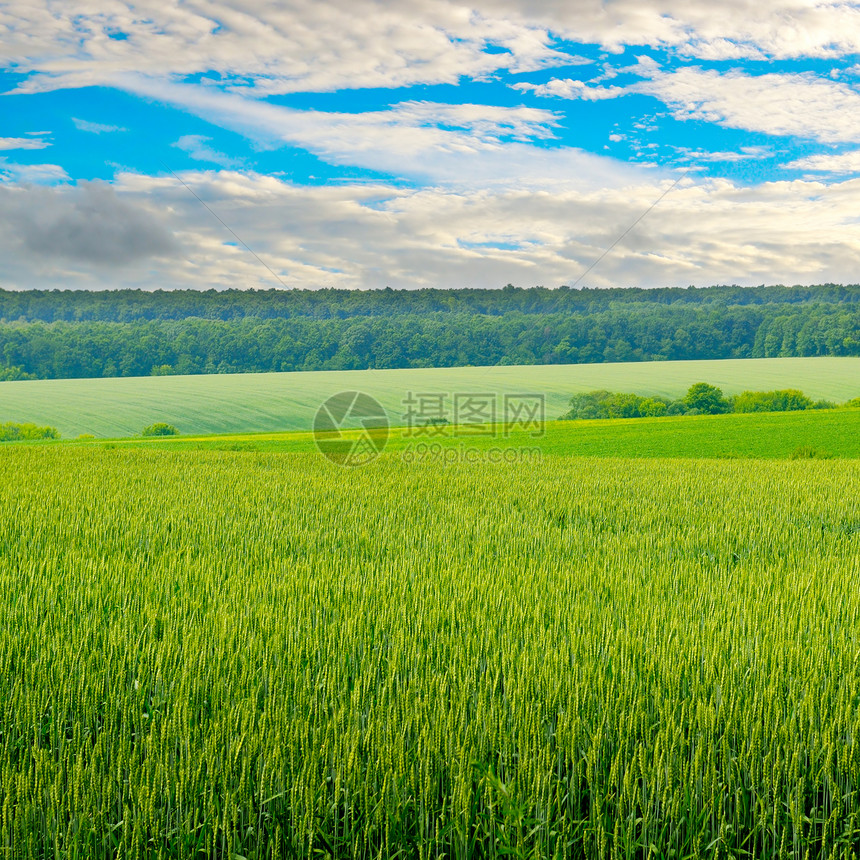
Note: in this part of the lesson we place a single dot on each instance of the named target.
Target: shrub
(623, 405)
(701, 399)
(653, 407)
(607, 404)
(706, 399)
(160, 429)
(590, 405)
(787, 400)
(13, 374)
(855, 403)
(12, 432)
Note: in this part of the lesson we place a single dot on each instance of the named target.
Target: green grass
(269, 402)
(217, 654)
(829, 433)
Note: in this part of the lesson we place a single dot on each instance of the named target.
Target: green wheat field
(281, 402)
(777, 435)
(252, 654)
(635, 638)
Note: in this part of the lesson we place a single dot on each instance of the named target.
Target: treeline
(701, 399)
(135, 305)
(133, 333)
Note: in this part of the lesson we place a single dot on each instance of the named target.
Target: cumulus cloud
(839, 163)
(371, 235)
(39, 174)
(499, 204)
(87, 224)
(781, 104)
(273, 47)
(731, 29)
(701, 232)
(777, 104)
(571, 89)
(277, 47)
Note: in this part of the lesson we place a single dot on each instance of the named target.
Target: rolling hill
(273, 402)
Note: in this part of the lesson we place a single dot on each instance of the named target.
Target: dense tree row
(700, 399)
(635, 325)
(133, 305)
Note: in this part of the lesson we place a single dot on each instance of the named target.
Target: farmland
(272, 402)
(779, 435)
(214, 653)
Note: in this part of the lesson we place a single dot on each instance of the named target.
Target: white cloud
(777, 104)
(31, 173)
(421, 124)
(841, 163)
(196, 146)
(23, 143)
(730, 29)
(487, 123)
(572, 89)
(276, 47)
(717, 49)
(95, 127)
(491, 181)
(371, 235)
(746, 153)
(467, 145)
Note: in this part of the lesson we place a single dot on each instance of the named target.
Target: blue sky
(363, 144)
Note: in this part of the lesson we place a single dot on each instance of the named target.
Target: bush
(21, 432)
(855, 403)
(160, 429)
(706, 400)
(623, 405)
(701, 399)
(787, 400)
(13, 374)
(590, 405)
(653, 407)
(606, 404)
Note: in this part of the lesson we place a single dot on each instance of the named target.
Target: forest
(70, 334)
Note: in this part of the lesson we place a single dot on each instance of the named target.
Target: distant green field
(829, 433)
(272, 402)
